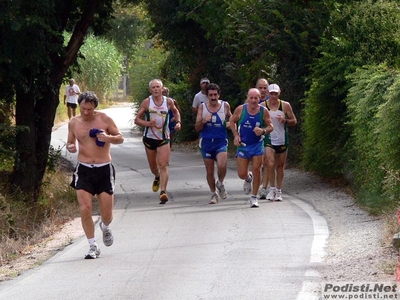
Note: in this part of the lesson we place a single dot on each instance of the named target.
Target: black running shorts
(94, 179)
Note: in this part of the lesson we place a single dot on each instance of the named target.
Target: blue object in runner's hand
(93, 134)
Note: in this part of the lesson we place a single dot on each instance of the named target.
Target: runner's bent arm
(267, 120)
(198, 126)
(233, 124)
(291, 119)
(71, 141)
(228, 115)
(139, 120)
(177, 115)
(112, 135)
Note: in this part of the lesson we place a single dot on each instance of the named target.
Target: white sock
(103, 226)
(92, 241)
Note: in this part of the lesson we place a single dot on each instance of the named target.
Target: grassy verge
(25, 224)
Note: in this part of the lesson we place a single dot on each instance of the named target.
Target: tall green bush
(361, 33)
(389, 146)
(100, 67)
(367, 146)
(324, 127)
(146, 65)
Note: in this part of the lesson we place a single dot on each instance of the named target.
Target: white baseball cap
(274, 88)
(204, 80)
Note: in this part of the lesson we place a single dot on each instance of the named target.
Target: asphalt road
(185, 249)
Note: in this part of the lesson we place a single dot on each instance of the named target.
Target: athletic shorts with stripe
(94, 178)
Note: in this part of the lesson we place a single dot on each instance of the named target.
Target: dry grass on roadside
(25, 224)
(391, 227)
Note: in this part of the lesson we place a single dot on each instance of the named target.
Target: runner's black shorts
(72, 105)
(94, 178)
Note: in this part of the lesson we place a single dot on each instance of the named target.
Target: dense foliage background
(336, 62)
(346, 134)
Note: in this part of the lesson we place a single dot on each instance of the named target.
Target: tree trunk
(33, 139)
(36, 108)
(25, 175)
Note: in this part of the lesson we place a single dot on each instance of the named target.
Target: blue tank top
(247, 123)
(216, 127)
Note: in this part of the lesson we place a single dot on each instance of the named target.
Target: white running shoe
(278, 196)
(247, 184)
(272, 194)
(214, 199)
(94, 252)
(263, 193)
(108, 238)
(253, 202)
(221, 189)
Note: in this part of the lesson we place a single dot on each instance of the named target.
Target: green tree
(33, 63)
(130, 25)
(389, 150)
(370, 147)
(276, 40)
(101, 66)
(186, 29)
(361, 33)
(146, 65)
(236, 42)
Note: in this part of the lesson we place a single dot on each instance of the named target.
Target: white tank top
(278, 135)
(160, 115)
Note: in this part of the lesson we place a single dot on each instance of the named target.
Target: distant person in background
(211, 122)
(277, 143)
(172, 122)
(250, 123)
(71, 94)
(201, 96)
(262, 86)
(94, 174)
(153, 116)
